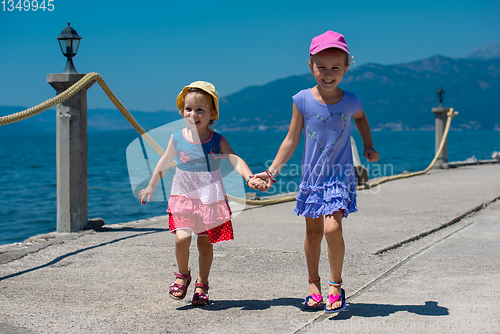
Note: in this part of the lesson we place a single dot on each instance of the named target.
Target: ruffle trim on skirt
(314, 201)
(216, 232)
(212, 220)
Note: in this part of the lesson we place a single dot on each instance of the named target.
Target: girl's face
(328, 68)
(198, 111)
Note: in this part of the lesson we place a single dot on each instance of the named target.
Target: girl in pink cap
(197, 203)
(328, 184)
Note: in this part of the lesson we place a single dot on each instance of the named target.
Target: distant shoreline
(251, 130)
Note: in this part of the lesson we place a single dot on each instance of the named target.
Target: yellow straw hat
(203, 85)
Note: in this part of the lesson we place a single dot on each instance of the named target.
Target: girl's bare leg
(206, 251)
(312, 248)
(182, 243)
(336, 250)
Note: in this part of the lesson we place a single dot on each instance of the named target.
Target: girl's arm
(160, 170)
(364, 130)
(290, 142)
(240, 165)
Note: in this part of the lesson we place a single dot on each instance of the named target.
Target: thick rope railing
(451, 113)
(93, 77)
(88, 79)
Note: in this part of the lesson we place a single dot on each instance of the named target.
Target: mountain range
(395, 97)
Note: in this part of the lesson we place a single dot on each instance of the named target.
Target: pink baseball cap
(329, 39)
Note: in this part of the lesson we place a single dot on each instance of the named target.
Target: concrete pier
(439, 273)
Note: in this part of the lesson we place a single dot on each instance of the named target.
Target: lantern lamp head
(440, 94)
(69, 41)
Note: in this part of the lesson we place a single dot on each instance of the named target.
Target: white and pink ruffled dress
(198, 199)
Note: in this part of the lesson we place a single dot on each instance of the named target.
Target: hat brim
(317, 49)
(182, 94)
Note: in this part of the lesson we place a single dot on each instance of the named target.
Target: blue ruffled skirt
(314, 201)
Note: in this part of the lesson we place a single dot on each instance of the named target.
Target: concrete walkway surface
(439, 272)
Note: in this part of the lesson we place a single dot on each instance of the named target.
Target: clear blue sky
(147, 51)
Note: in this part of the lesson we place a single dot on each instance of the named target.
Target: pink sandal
(200, 298)
(174, 287)
(332, 299)
(318, 299)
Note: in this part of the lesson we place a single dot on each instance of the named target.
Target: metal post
(440, 113)
(71, 142)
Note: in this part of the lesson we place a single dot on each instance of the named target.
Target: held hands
(266, 179)
(370, 154)
(257, 183)
(146, 194)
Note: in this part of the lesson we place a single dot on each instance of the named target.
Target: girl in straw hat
(197, 204)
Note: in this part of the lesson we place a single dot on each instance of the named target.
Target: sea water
(28, 171)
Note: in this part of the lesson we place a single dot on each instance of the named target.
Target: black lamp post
(69, 41)
(440, 93)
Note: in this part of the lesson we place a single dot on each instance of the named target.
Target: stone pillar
(440, 113)
(71, 142)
